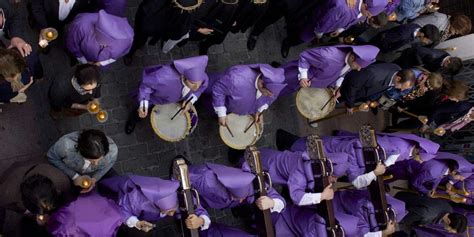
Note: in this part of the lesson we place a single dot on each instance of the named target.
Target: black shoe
(234, 156)
(128, 59)
(374, 110)
(203, 50)
(130, 126)
(285, 48)
(275, 64)
(251, 42)
(284, 140)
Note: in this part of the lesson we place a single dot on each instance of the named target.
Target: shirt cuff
(310, 199)
(303, 73)
(340, 30)
(391, 159)
(339, 81)
(193, 98)
(451, 182)
(82, 60)
(75, 176)
(207, 222)
(262, 108)
(144, 104)
(107, 62)
(278, 207)
(132, 221)
(221, 111)
(319, 35)
(373, 234)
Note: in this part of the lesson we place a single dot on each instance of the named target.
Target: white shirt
(86, 165)
(416, 32)
(133, 220)
(310, 199)
(278, 207)
(373, 234)
(364, 180)
(221, 111)
(65, 8)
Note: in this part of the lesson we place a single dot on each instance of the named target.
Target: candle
(373, 104)
(93, 106)
(50, 35)
(40, 217)
(85, 183)
(102, 116)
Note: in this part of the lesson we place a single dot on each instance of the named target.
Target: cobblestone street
(27, 131)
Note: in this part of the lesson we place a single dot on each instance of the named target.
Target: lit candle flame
(439, 131)
(50, 35)
(41, 217)
(85, 183)
(373, 104)
(102, 116)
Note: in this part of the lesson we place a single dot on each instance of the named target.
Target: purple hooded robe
(162, 84)
(467, 185)
(469, 214)
(218, 184)
(293, 169)
(99, 37)
(357, 203)
(144, 197)
(114, 7)
(89, 215)
(336, 15)
(234, 90)
(393, 143)
(299, 222)
(325, 64)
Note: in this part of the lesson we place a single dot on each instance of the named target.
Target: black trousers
(285, 139)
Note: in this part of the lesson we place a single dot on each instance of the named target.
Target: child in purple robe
(148, 199)
(99, 38)
(89, 215)
(357, 203)
(246, 90)
(222, 187)
(326, 66)
(182, 80)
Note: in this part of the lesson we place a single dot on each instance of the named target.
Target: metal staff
(439, 131)
(362, 107)
(421, 118)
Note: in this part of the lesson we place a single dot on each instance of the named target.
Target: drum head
(237, 124)
(167, 129)
(310, 102)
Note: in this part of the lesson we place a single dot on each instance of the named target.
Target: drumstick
(327, 102)
(228, 129)
(253, 122)
(182, 107)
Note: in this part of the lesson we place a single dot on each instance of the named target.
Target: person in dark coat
(171, 20)
(371, 82)
(249, 12)
(431, 59)
(407, 34)
(424, 210)
(70, 94)
(363, 32)
(12, 28)
(33, 187)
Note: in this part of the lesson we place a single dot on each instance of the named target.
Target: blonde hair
(457, 89)
(12, 64)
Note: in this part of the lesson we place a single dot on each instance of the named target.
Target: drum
(385, 103)
(173, 130)
(237, 125)
(310, 102)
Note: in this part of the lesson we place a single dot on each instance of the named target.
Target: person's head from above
(454, 223)
(262, 87)
(11, 65)
(452, 65)
(167, 199)
(453, 167)
(456, 90)
(236, 184)
(187, 5)
(460, 25)
(93, 145)
(194, 85)
(404, 80)
(378, 21)
(431, 80)
(88, 77)
(352, 61)
(428, 34)
(193, 78)
(39, 195)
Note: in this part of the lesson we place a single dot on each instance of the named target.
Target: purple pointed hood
(376, 7)
(366, 54)
(192, 68)
(236, 181)
(110, 29)
(273, 78)
(464, 166)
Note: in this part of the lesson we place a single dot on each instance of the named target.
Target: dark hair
(455, 65)
(431, 32)
(92, 144)
(458, 222)
(456, 89)
(407, 75)
(461, 23)
(11, 63)
(87, 74)
(380, 19)
(452, 165)
(38, 189)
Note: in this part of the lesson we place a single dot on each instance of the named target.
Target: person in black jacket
(424, 210)
(432, 59)
(372, 82)
(12, 27)
(70, 94)
(405, 35)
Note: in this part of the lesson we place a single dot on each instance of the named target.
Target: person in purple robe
(357, 203)
(99, 38)
(469, 214)
(145, 200)
(398, 147)
(427, 176)
(246, 90)
(222, 187)
(324, 67)
(466, 185)
(182, 80)
(89, 215)
(294, 170)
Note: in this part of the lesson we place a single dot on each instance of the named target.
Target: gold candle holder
(48, 35)
(93, 107)
(349, 39)
(102, 116)
(41, 217)
(373, 104)
(439, 131)
(392, 17)
(86, 183)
